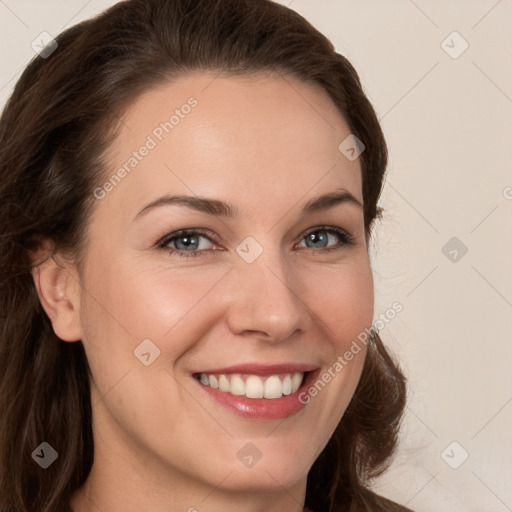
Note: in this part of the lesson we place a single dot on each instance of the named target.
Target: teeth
(223, 383)
(274, 387)
(237, 386)
(296, 382)
(254, 386)
(287, 385)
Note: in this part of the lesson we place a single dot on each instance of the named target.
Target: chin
(273, 470)
(267, 477)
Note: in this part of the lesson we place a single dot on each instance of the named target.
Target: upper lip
(263, 369)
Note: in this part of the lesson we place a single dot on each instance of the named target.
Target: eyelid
(349, 239)
(185, 231)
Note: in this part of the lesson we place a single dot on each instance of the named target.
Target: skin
(266, 144)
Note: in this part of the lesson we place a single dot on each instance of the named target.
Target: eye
(186, 243)
(320, 237)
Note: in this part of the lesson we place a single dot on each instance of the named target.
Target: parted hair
(54, 133)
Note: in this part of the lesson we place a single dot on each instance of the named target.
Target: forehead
(258, 138)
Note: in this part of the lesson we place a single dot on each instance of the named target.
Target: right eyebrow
(201, 204)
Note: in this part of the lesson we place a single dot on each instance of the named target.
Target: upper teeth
(254, 386)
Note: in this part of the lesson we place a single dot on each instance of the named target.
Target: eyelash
(346, 240)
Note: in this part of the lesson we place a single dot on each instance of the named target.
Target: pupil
(315, 237)
(189, 241)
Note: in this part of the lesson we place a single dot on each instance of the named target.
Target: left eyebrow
(339, 196)
(221, 208)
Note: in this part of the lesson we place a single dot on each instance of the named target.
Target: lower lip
(262, 408)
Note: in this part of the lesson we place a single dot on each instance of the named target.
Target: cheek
(127, 303)
(343, 300)
(130, 301)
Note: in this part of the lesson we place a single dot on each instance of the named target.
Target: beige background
(448, 122)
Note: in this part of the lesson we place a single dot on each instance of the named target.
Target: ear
(58, 289)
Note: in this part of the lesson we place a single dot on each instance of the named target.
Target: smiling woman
(159, 337)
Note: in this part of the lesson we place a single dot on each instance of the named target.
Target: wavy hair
(54, 133)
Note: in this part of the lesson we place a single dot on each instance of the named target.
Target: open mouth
(254, 386)
(259, 391)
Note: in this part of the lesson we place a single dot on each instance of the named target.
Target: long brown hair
(54, 132)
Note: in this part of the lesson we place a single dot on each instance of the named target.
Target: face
(187, 306)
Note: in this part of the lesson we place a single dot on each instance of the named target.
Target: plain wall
(448, 122)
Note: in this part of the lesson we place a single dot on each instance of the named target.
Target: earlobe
(58, 291)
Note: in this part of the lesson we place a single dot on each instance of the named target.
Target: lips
(256, 390)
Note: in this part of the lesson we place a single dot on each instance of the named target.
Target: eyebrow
(225, 209)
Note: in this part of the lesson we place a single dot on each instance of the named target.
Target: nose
(265, 301)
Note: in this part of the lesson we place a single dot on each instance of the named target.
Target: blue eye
(188, 240)
(321, 240)
(189, 243)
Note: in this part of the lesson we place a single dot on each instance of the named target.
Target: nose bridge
(265, 299)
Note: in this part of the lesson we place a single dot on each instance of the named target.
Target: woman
(188, 194)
